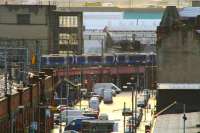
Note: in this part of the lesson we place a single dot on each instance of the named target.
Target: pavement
(148, 115)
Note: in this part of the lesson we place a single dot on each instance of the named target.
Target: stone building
(178, 46)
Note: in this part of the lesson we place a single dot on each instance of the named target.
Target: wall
(37, 29)
(189, 97)
(178, 58)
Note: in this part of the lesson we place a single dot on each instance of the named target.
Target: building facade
(178, 46)
(68, 32)
(26, 26)
(26, 108)
(41, 28)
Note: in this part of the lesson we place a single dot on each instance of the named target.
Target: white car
(70, 131)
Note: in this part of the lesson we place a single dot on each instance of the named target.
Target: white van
(107, 96)
(106, 86)
(94, 103)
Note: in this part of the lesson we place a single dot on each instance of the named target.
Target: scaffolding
(14, 67)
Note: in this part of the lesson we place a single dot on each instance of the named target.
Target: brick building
(27, 106)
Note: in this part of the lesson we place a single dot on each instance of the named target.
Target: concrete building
(26, 26)
(42, 29)
(178, 46)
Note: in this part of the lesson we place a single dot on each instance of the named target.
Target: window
(68, 21)
(23, 19)
(65, 39)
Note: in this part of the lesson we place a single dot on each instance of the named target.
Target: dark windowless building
(188, 94)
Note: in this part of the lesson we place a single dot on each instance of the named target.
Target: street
(115, 109)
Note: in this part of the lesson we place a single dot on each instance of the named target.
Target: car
(70, 131)
(68, 115)
(97, 96)
(90, 94)
(114, 93)
(90, 113)
(83, 92)
(103, 116)
(76, 124)
(63, 107)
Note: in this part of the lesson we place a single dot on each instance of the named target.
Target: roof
(100, 121)
(69, 82)
(173, 123)
(190, 12)
(178, 86)
(122, 24)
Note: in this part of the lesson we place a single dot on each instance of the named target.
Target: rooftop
(189, 12)
(181, 86)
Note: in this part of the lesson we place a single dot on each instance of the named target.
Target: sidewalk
(148, 114)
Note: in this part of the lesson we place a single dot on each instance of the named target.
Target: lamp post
(132, 102)
(184, 118)
(80, 93)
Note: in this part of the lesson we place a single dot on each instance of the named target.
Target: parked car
(84, 92)
(103, 116)
(114, 93)
(90, 94)
(97, 96)
(76, 124)
(70, 131)
(90, 113)
(69, 115)
(106, 86)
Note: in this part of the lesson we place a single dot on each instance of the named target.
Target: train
(105, 60)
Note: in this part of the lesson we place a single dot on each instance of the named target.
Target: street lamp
(132, 103)
(184, 118)
(80, 93)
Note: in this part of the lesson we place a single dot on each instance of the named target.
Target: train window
(94, 59)
(132, 57)
(140, 58)
(152, 59)
(109, 59)
(80, 60)
(70, 60)
(121, 59)
(56, 60)
(44, 60)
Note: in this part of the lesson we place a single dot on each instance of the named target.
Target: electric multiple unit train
(105, 60)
